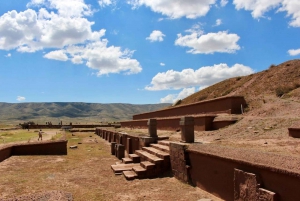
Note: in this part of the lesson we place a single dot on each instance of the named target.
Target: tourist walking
(40, 135)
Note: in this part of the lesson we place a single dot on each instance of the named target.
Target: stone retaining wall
(41, 148)
(43, 126)
(201, 123)
(237, 173)
(229, 104)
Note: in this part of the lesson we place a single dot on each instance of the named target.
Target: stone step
(161, 147)
(135, 158)
(145, 156)
(161, 154)
(147, 165)
(123, 167)
(127, 160)
(140, 172)
(130, 175)
(164, 142)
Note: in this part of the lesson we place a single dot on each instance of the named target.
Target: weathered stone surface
(187, 129)
(247, 187)
(152, 127)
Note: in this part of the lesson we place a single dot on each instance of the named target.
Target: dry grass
(85, 172)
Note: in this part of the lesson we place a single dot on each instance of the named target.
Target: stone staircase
(149, 162)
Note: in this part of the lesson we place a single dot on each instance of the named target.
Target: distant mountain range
(73, 110)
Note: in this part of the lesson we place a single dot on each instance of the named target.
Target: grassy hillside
(72, 111)
(282, 81)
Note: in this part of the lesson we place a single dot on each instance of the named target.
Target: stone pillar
(179, 161)
(114, 137)
(152, 127)
(109, 137)
(107, 134)
(120, 151)
(187, 129)
(120, 138)
(112, 148)
(129, 146)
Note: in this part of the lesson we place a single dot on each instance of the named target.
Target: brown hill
(277, 82)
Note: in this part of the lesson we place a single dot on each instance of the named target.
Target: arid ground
(86, 174)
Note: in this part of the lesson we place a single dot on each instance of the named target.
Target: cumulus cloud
(176, 8)
(294, 52)
(259, 7)
(99, 56)
(171, 98)
(156, 35)
(202, 77)
(292, 7)
(57, 55)
(162, 64)
(8, 55)
(21, 98)
(209, 43)
(63, 26)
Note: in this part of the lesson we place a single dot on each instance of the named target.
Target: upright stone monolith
(152, 127)
(187, 129)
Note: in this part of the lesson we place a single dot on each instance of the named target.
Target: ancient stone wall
(41, 148)
(242, 174)
(221, 124)
(5, 153)
(202, 123)
(43, 126)
(230, 104)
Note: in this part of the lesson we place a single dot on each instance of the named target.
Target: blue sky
(138, 51)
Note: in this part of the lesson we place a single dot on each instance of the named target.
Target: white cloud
(156, 35)
(21, 98)
(259, 7)
(104, 3)
(162, 64)
(223, 2)
(292, 7)
(202, 77)
(218, 22)
(57, 55)
(8, 55)
(99, 57)
(209, 43)
(63, 26)
(176, 8)
(171, 98)
(294, 52)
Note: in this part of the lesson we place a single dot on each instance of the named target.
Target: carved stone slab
(247, 187)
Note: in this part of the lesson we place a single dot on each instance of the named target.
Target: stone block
(247, 187)
(187, 129)
(113, 148)
(152, 127)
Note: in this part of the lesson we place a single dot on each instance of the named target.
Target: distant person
(40, 135)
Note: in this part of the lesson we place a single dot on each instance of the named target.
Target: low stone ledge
(270, 161)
